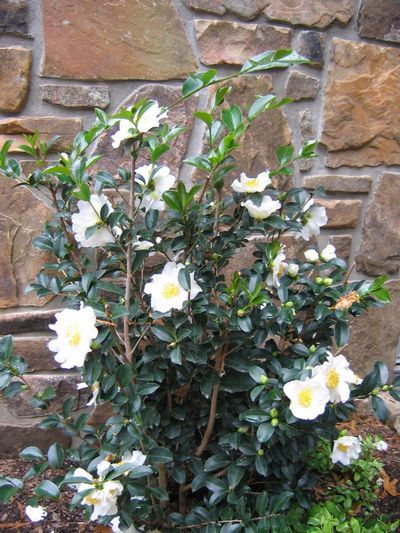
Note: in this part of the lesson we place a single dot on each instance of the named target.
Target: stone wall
(60, 59)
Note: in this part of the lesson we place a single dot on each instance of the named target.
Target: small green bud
(289, 304)
(172, 344)
(273, 412)
(342, 432)
(385, 387)
(328, 282)
(95, 345)
(312, 349)
(282, 197)
(260, 452)
(319, 281)
(274, 422)
(241, 312)
(242, 429)
(264, 380)
(274, 354)
(376, 391)
(215, 256)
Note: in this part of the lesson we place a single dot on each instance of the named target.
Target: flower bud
(328, 253)
(312, 349)
(242, 429)
(376, 391)
(274, 422)
(241, 312)
(319, 281)
(293, 270)
(260, 452)
(289, 304)
(328, 282)
(311, 255)
(215, 256)
(385, 387)
(264, 379)
(274, 412)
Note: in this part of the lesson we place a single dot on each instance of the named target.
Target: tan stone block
(223, 42)
(380, 242)
(341, 213)
(15, 67)
(375, 334)
(48, 127)
(361, 115)
(342, 244)
(36, 353)
(14, 17)
(246, 9)
(300, 86)
(76, 96)
(27, 321)
(339, 183)
(312, 13)
(379, 20)
(124, 40)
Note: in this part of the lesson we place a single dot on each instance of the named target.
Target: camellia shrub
(220, 384)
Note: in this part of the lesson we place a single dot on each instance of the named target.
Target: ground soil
(61, 518)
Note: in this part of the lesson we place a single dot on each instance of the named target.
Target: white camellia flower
(141, 123)
(141, 244)
(264, 210)
(35, 514)
(133, 459)
(88, 216)
(249, 185)
(75, 331)
(104, 495)
(166, 291)
(313, 218)
(345, 450)
(311, 255)
(278, 268)
(156, 182)
(293, 269)
(381, 446)
(336, 375)
(116, 529)
(328, 253)
(308, 398)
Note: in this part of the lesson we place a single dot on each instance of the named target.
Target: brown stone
(22, 217)
(342, 244)
(246, 9)
(300, 86)
(181, 114)
(311, 45)
(379, 20)
(100, 414)
(48, 127)
(35, 352)
(266, 133)
(76, 96)
(14, 17)
(361, 115)
(15, 437)
(15, 67)
(334, 183)
(124, 40)
(375, 334)
(312, 13)
(341, 213)
(380, 242)
(64, 386)
(223, 42)
(307, 133)
(27, 321)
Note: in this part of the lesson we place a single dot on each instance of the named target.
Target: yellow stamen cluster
(332, 379)
(305, 397)
(343, 447)
(170, 290)
(252, 183)
(73, 335)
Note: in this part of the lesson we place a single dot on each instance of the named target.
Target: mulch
(61, 518)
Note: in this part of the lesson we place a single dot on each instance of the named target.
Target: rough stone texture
(341, 213)
(14, 17)
(311, 44)
(380, 20)
(375, 334)
(342, 243)
(64, 386)
(335, 183)
(361, 115)
(22, 217)
(300, 86)
(35, 352)
(129, 39)
(181, 114)
(382, 225)
(15, 67)
(312, 13)
(27, 321)
(15, 437)
(48, 127)
(77, 96)
(364, 409)
(222, 42)
(267, 132)
(307, 133)
(246, 9)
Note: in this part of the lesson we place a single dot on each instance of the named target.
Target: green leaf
(265, 432)
(255, 416)
(47, 489)
(31, 452)
(190, 86)
(207, 118)
(260, 105)
(232, 117)
(341, 333)
(216, 462)
(151, 218)
(162, 333)
(176, 356)
(280, 501)
(235, 475)
(7, 490)
(159, 455)
(256, 373)
(284, 154)
(124, 375)
(83, 193)
(55, 455)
